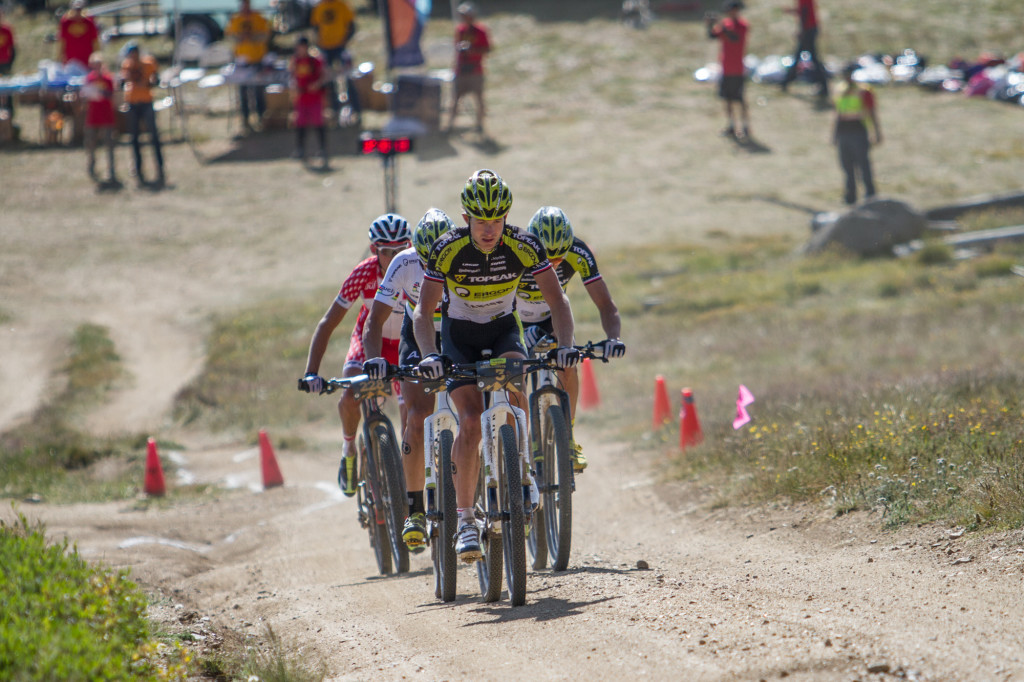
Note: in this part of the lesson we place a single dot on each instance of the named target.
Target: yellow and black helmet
(486, 196)
(432, 225)
(552, 227)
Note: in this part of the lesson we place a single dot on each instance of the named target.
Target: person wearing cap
(855, 111)
(78, 35)
(807, 41)
(139, 75)
(731, 32)
(251, 32)
(472, 43)
(308, 77)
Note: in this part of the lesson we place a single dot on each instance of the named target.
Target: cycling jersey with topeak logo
(479, 286)
(532, 306)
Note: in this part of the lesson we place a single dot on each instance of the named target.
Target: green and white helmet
(432, 225)
(552, 227)
(486, 196)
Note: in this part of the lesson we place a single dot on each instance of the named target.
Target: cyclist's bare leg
(348, 407)
(469, 404)
(571, 382)
(419, 406)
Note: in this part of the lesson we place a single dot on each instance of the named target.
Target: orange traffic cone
(689, 425)
(590, 397)
(154, 482)
(662, 407)
(271, 473)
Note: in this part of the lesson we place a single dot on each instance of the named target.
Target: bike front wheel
(442, 549)
(372, 506)
(558, 486)
(394, 499)
(513, 524)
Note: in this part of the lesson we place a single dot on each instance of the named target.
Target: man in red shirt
(308, 79)
(7, 54)
(807, 41)
(731, 32)
(100, 119)
(471, 44)
(79, 35)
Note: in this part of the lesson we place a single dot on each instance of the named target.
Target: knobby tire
(557, 505)
(513, 527)
(395, 499)
(445, 561)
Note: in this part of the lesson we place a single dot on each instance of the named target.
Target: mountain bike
(506, 494)
(380, 494)
(549, 534)
(439, 431)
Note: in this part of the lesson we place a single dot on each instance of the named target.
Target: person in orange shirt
(79, 35)
(251, 32)
(139, 74)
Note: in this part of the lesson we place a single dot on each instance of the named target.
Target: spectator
(335, 24)
(731, 32)
(251, 32)
(807, 41)
(307, 80)
(855, 105)
(139, 74)
(79, 36)
(100, 118)
(471, 44)
(8, 51)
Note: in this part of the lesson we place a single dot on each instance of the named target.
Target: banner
(404, 21)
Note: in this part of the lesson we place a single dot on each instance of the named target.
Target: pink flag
(744, 399)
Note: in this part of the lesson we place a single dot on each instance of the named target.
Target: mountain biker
(474, 272)
(401, 284)
(389, 235)
(568, 255)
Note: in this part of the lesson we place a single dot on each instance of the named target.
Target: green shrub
(64, 619)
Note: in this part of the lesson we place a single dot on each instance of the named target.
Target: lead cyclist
(569, 255)
(474, 272)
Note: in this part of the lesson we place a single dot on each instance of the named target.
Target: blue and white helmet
(389, 228)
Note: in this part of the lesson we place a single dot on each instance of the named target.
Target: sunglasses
(392, 250)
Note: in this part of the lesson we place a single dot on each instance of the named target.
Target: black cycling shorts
(464, 341)
(408, 349)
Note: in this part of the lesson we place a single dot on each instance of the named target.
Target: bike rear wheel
(557, 506)
(394, 498)
(488, 569)
(513, 524)
(442, 549)
(376, 524)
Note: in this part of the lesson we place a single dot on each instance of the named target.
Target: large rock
(870, 229)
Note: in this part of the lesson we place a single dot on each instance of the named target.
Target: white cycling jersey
(402, 283)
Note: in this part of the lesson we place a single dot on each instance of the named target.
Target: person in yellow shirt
(139, 75)
(251, 32)
(335, 24)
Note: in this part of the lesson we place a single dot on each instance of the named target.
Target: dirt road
(729, 594)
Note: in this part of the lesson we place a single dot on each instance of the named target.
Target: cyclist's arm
(373, 329)
(423, 316)
(561, 313)
(602, 298)
(322, 335)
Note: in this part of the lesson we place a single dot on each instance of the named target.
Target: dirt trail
(729, 594)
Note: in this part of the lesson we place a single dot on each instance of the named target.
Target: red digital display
(385, 145)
